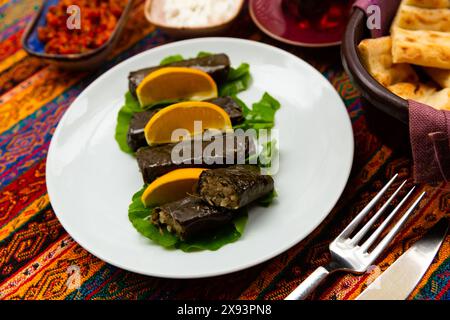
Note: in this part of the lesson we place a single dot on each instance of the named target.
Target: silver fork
(348, 254)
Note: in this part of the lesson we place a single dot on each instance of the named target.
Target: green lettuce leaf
(171, 59)
(179, 57)
(261, 115)
(202, 54)
(139, 217)
(238, 80)
(130, 107)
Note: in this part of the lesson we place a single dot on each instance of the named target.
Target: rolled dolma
(190, 217)
(234, 187)
(231, 107)
(158, 160)
(136, 137)
(217, 66)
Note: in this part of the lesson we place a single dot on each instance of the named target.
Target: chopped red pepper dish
(97, 21)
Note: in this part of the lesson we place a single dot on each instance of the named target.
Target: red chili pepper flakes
(98, 19)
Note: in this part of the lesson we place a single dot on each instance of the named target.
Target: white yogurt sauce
(194, 13)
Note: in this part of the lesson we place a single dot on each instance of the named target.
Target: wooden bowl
(80, 61)
(191, 32)
(375, 93)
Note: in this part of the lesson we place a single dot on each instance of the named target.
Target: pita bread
(377, 58)
(428, 3)
(442, 77)
(423, 93)
(414, 18)
(439, 100)
(424, 48)
(415, 91)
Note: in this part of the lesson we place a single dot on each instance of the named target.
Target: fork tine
(366, 245)
(385, 242)
(355, 222)
(375, 217)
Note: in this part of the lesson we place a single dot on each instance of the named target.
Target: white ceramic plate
(90, 181)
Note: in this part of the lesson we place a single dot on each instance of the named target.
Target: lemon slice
(183, 115)
(176, 83)
(170, 187)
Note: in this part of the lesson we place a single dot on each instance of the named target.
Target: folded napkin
(388, 8)
(430, 141)
(429, 128)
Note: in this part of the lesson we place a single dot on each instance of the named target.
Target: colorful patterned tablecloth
(39, 260)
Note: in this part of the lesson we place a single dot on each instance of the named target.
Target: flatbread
(442, 77)
(423, 93)
(428, 3)
(415, 91)
(414, 18)
(377, 58)
(423, 48)
(439, 100)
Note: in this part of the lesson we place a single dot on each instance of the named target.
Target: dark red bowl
(375, 93)
(283, 25)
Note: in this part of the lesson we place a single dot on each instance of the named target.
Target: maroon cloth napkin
(388, 8)
(429, 128)
(430, 141)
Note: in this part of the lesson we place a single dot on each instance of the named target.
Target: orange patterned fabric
(39, 260)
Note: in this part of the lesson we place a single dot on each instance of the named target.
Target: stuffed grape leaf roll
(190, 217)
(216, 65)
(231, 149)
(235, 186)
(136, 137)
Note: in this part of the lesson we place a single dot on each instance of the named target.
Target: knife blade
(400, 279)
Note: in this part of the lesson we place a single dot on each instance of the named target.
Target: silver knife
(400, 279)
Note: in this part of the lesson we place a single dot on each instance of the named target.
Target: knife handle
(309, 284)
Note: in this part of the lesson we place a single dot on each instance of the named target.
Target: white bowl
(188, 32)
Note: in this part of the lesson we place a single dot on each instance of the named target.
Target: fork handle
(309, 284)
